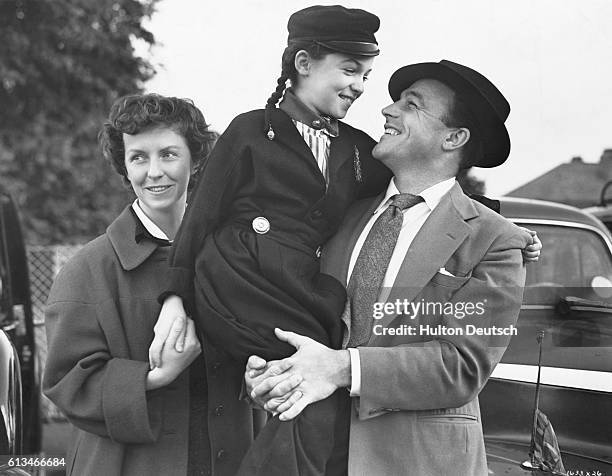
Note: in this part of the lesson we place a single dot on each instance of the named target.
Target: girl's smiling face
(158, 165)
(330, 85)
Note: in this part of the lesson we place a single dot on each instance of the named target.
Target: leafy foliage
(62, 64)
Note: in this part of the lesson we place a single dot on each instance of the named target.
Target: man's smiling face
(414, 124)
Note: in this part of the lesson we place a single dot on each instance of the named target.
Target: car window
(572, 257)
(608, 223)
(559, 299)
(603, 214)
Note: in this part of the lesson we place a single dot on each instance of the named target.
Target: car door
(568, 295)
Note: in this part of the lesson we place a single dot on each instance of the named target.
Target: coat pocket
(452, 282)
(452, 441)
(448, 418)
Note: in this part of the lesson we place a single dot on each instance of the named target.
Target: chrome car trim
(9, 327)
(604, 310)
(557, 376)
(10, 393)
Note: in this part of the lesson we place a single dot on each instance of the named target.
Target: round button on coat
(261, 225)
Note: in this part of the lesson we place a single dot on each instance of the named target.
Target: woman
(129, 419)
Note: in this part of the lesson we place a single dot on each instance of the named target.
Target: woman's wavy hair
(136, 113)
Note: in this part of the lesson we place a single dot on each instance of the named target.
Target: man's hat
(345, 30)
(484, 100)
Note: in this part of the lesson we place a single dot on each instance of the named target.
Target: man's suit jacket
(418, 412)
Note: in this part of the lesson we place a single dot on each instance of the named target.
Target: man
(415, 365)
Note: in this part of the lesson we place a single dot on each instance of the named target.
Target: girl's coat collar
(298, 111)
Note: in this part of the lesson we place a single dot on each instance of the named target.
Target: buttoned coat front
(418, 411)
(250, 282)
(100, 317)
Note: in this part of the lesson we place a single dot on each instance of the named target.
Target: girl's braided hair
(288, 72)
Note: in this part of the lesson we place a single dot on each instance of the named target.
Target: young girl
(273, 191)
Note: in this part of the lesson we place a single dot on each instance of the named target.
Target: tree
(62, 64)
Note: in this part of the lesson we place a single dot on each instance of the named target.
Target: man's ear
(302, 62)
(456, 139)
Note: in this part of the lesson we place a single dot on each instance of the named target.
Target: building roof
(576, 183)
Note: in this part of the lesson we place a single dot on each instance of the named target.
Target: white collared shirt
(414, 218)
(150, 226)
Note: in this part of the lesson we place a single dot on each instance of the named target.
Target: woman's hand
(174, 362)
(172, 318)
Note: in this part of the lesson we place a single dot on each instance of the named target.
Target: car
(568, 295)
(603, 211)
(20, 423)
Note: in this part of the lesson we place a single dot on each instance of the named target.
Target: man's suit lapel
(441, 234)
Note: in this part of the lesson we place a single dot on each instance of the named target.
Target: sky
(552, 59)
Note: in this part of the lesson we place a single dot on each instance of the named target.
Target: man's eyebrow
(415, 94)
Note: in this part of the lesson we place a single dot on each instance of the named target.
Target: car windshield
(561, 300)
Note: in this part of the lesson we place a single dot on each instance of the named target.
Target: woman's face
(158, 164)
(330, 85)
